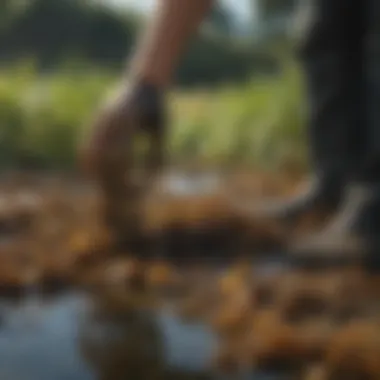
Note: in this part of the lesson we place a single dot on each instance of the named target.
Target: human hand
(108, 151)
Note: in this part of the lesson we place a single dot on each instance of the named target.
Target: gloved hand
(108, 152)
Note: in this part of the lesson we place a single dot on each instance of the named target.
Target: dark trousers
(340, 54)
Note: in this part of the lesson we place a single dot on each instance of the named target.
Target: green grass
(41, 119)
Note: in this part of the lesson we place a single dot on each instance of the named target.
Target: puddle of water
(41, 343)
(181, 184)
(63, 339)
(73, 337)
(180, 340)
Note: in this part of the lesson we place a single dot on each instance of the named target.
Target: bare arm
(163, 42)
(140, 108)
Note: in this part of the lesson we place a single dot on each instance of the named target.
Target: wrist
(150, 102)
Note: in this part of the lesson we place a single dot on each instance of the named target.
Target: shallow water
(74, 337)
(66, 338)
(185, 184)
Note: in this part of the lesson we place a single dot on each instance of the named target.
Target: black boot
(332, 60)
(352, 237)
(322, 195)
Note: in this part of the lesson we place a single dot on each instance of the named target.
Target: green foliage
(40, 118)
(273, 8)
(53, 32)
(74, 48)
(220, 20)
(259, 122)
(213, 60)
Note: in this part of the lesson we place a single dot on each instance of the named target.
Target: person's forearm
(167, 34)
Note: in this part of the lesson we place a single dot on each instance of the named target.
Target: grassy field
(261, 123)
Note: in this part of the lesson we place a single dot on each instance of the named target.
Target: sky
(241, 8)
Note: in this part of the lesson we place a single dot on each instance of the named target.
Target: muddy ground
(206, 296)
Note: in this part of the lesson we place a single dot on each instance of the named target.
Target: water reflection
(39, 341)
(75, 338)
(181, 184)
(122, 346)
(143, 345)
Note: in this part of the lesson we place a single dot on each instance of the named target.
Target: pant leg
(331, 53)
(372, 55)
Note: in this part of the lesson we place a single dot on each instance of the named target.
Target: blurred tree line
(53, 32)
(81, 44)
